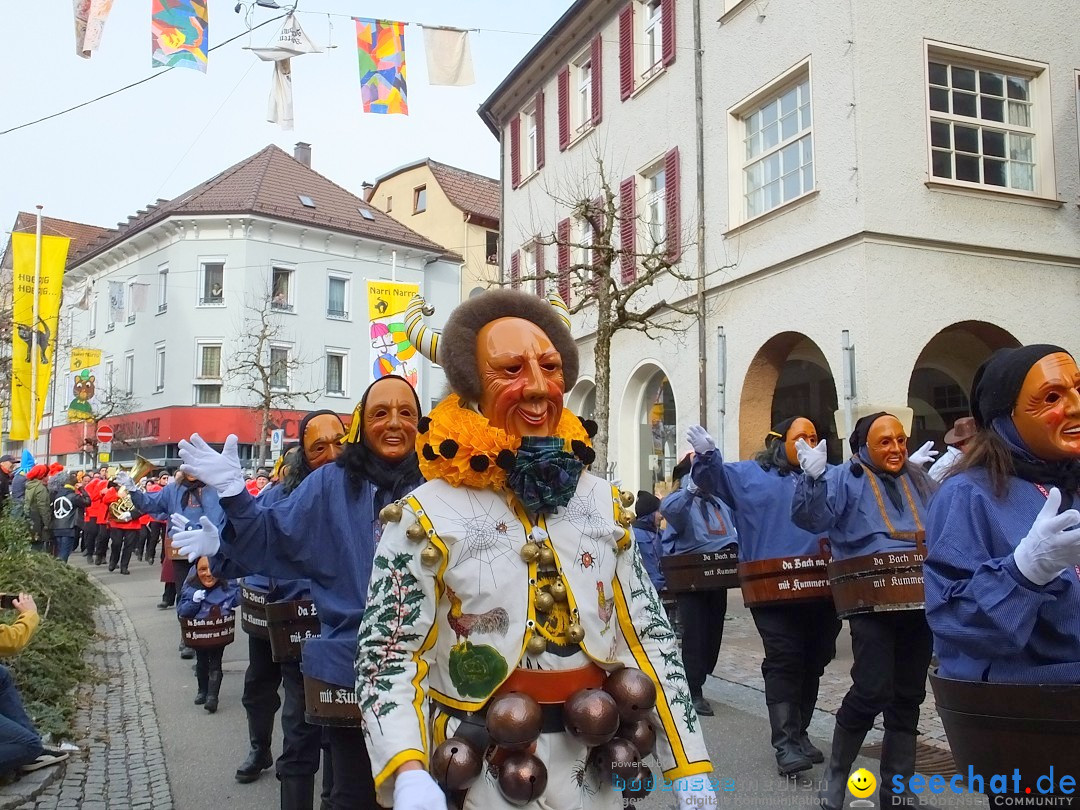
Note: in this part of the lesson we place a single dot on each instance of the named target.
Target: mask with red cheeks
(1047, 410)
(800, 429)
(522, 375)
(886, 442)
(390, 417)
(207, 579)
(322, 439)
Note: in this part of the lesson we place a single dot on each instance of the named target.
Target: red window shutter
(667, 34)
(515, 269)
(627, 231)
(540, 130)
(564, 108)
(671, 205)
(626, 51)
(515, 152)
(541, 275)
(597, 82)
(562, 258)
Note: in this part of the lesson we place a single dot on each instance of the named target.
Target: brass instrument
(143, 467)
(122, 506)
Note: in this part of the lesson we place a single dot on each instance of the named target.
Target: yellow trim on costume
(438, 733)
(685, 771)
(454, 703)
(399, 759)
(885, 515)
(575, 616)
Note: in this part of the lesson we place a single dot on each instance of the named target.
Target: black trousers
(302, 742)
(154, 532)
(207, 660)
(123, 543)
(261, 701)
(800, 641)
(892, 652)
(354, 786)
(101, 540)
(701, 614)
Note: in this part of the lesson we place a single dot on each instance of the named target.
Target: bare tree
(614, 265)
(265, 366)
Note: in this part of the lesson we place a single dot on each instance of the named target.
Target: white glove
(202, 542)
(125, 517)
(813, 460)
(125, 480)
(700, 440)
(219, 470)
(416, 790)
(924, 455)
(1050, 546)
(198, 596)
(694, 798)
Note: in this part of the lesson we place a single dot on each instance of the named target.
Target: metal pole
(34, 333)
(699, 122)
(849, 383)
(393, 265)
(721, 384)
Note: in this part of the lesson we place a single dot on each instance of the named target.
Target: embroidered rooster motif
(464, 625)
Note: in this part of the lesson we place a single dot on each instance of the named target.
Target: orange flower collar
(460, 446)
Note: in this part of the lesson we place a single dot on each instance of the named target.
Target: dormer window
(306, 201)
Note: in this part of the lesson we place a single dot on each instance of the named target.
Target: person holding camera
(21, 747)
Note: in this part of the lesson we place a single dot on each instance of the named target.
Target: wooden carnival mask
(886, 442)
(206, 577)
(322, 439)
(390, 417)
(1047, 410)
(801, 428)
(522, 375)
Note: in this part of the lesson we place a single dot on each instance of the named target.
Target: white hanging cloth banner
(292, 41)
(449, 58)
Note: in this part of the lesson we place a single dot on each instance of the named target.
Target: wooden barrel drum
(201, 633)
(785, 580)
(713, 571)
(290, 624)
(871, 583)
(253, 611)
(330, 705)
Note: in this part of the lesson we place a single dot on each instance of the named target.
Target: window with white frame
(159, 368)
(281, 288)
(208, 373)
(129, 373)
(419, 200)
(652, 37)
(528, 156)
(131, 301)
(337, 364)
(93, 314)
(212, 283)
(987, 126)
(581, 76)
(582, 237)
(163, 288)
(337, 297)
(778, 147)
(279, 368)
(653, 207)
(110, 376)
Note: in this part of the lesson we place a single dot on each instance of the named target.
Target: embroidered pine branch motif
(393, 608)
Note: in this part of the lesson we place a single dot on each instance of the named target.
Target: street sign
(277, 439)
(104, 433)
(104, 458)
(105, 448)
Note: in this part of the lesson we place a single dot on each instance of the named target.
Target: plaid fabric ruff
(544, 476)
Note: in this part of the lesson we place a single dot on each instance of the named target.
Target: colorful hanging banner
(82, 357)
(380, 48)
(178, 33)
(391, 351)
(28, 359)
(90, 16)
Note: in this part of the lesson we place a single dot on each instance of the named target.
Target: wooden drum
(871, 583)
(714, 571)
(330, 705)
(290, 624)
(202, 633)
(253, 612)
(785, 580)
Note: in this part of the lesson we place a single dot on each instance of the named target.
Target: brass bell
(634, 692)
(514, 721)
(576, 633)
(640, 786)
(530, 552)
(522, 778)
(430, 555)
(627, 498)
(627, 517)
(547, 556)
(558, 590)
(641, 734)
(591, 716)
(544, 602)
(456, 764)
(536, 645)
(617, 757)
(391, 513)
(415, 533)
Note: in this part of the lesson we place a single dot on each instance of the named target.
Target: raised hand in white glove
(219, 470)
(416, 790)
(195, 543)
(700, 439)
(198, 596)
(924, 455)
(1053, 543)
(125, 480)
(813, 460)
(695, 798)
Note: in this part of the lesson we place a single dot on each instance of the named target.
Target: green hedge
(52, 665)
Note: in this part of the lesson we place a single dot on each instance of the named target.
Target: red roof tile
(81, 235)
(467, 191)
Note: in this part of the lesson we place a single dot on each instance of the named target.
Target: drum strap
(912, 537)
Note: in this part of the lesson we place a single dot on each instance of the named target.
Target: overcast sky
(103, 162)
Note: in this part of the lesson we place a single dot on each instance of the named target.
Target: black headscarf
(392, 480)
(860, 457)
(774, 456)
(998, 381)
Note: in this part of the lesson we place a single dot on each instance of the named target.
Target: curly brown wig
(457, 346)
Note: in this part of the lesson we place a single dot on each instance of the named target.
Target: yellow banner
(32, 365)
(84, 358)
(391, 351)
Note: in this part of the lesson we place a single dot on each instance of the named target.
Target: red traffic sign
(104, 433)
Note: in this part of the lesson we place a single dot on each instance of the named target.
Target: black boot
(258, 760)
(845, 747)
(202, 676)
(297, 792)
(784, 719)
(898, 759)
(213, 687)
(260, 732)
(810, 751)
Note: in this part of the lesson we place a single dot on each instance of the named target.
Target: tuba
(143, 467)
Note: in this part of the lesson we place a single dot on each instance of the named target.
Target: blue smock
(761, 500)
(166, 501)
(647, 536)
(698, 522)
(222, 596)
(990, 622)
